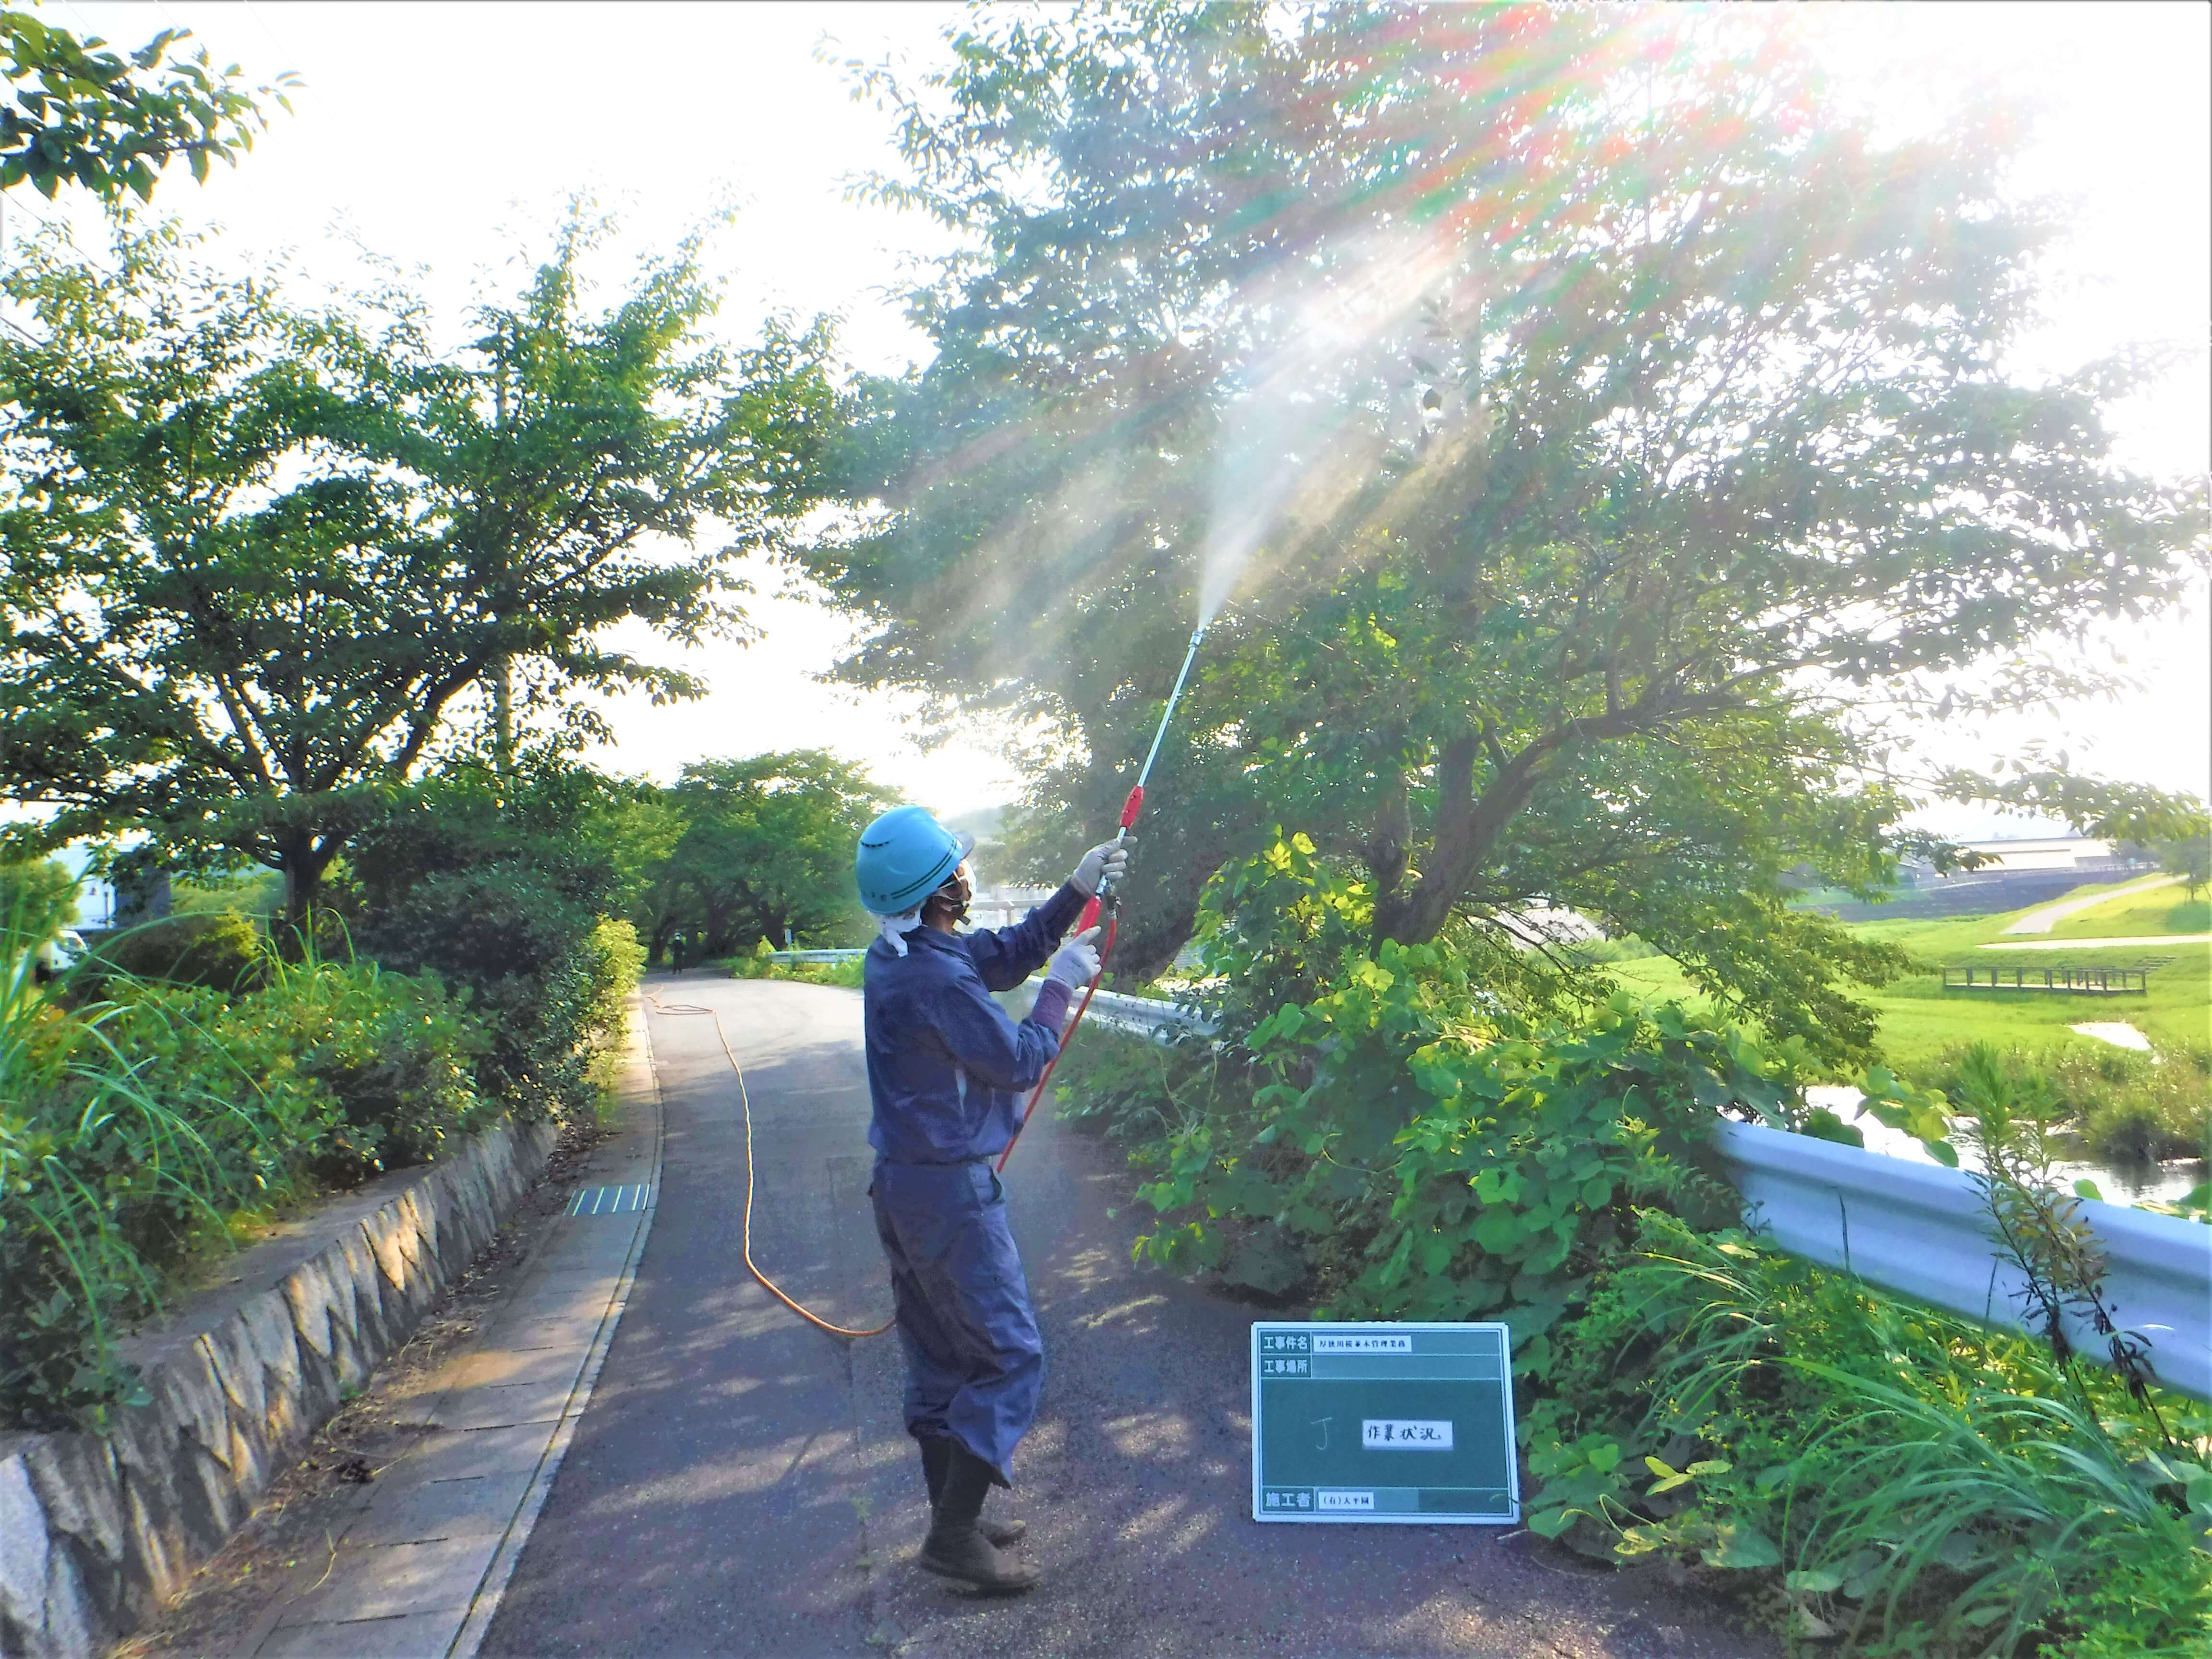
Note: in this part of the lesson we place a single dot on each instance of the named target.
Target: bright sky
(440, 135)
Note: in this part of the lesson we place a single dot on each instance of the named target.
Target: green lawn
(2162, 910)
(1919, 1019)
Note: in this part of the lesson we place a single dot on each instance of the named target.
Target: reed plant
(102, 1171)
(2116, 1106)
(140, 1121)
(1868, 1472)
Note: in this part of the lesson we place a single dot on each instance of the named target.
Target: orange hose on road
(768, 1284)
(745, 1098)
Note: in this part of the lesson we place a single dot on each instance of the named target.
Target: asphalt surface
(742, 1484)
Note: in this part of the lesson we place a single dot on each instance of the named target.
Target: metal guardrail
(1921, 1230)
(1145, 1015)
(1916, 1229)
(787, 957)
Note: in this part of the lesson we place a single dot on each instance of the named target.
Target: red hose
(1105, 951)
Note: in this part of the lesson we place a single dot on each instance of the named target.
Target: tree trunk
(1468, 828)
(1387, 853)
(502, 718)
(305, 864)
(303, 883)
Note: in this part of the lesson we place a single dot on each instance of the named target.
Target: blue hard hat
(904, 856)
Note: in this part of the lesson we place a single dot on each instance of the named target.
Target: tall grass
(140, 1119)
(2005, 1513)
(1886, 1476)
(2123, 1107)
(97, 1170)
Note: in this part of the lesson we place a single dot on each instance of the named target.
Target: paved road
(2132, 941)
(2042, 921)
(741, 1483)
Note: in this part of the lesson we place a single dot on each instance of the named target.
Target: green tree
(2190, 858)
(37, 896)
(76, 112)
(261, 561)
(766, 849)
(1598, 438)
(501, 884)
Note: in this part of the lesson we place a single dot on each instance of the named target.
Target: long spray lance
(1104, 899)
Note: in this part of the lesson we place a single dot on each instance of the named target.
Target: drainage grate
(611, 1200)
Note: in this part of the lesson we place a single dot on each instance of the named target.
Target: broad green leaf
(1743, 1548)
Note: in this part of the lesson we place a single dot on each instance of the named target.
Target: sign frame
(1335, 1515)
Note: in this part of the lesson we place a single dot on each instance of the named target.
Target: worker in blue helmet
(947, 1070)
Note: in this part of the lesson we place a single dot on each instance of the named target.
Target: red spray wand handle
(1130, 808)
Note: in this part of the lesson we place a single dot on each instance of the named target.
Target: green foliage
(762, 848)
(219, 949)
(1565, 505)
(130, 1130)
(275, 557)
(1441, 1132)
(756, 964)
(78, 113)
(146, 1110)
(1904, 1480)
(258, 894)
(2190, 858)
(502, 888)
(2123, 1107)
(36, 889)
(396, 1055)
(1432, 1149)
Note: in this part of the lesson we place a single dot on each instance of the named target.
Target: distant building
(2022, 870)
(2053, 852)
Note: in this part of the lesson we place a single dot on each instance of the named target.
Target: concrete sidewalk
(418, 1566)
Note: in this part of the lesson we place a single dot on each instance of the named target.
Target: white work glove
(1108, 861)
(1075, 964)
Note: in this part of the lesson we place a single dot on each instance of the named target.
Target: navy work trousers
(974, 1362)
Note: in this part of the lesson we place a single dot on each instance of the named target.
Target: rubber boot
(936, 1459)
(955, 1547)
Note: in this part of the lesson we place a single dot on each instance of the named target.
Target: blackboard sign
(1403, 1424)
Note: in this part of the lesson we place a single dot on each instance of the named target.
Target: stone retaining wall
(98, 1531)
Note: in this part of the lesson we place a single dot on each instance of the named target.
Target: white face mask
(895, 929)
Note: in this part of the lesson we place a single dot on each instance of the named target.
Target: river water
(2120, 1183)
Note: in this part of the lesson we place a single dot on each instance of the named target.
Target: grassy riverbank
(1920, 1020)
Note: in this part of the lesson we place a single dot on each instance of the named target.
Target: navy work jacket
(946, 1065)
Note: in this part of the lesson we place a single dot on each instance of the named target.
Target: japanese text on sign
(1393, 1434)
(1379, 1343)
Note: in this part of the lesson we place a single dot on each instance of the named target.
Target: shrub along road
(741, 1483)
